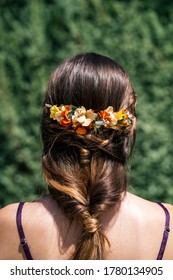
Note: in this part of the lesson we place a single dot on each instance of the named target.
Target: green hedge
(36, 35)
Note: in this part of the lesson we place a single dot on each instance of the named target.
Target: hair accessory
(84, 121)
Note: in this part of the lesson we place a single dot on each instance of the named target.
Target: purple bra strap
(165, 233)
(21, 232)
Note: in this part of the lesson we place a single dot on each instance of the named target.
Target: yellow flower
(123, 116)
(55, 113)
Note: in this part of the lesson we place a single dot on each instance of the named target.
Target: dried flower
(84, 121)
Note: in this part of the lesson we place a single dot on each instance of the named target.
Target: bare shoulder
(7, 215)
(38, 215)
(139, 201)
(147, 210)
(153, 220)
(8, 231)
(46, 207)
(169, 207)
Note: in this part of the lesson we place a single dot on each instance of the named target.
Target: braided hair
(86, 174)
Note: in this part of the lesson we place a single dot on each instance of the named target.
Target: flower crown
(84, 121)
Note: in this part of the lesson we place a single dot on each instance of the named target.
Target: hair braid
(87, 186)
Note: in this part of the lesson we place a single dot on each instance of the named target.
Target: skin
(135, 232)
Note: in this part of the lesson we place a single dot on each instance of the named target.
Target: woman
(88, 131)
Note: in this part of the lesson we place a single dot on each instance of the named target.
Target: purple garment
(165, 233)
(27, 252)
(21, 232)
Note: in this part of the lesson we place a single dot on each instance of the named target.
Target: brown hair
(86, 174)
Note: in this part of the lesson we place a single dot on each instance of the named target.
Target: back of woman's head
(86, 173)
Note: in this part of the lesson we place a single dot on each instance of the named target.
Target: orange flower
(65, 121)
(81, 130)
(104, 115)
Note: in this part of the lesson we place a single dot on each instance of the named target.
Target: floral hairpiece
(84, 121)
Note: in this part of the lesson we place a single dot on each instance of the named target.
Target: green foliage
(36, 35)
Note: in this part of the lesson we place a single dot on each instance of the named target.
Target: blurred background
(35, 35)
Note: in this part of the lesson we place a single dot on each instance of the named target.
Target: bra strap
(165, 233)
(21, 232)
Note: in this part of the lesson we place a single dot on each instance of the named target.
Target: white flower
(112, 115)
(81, 120)
(90, 115)
(83, 117)
(80, 111)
